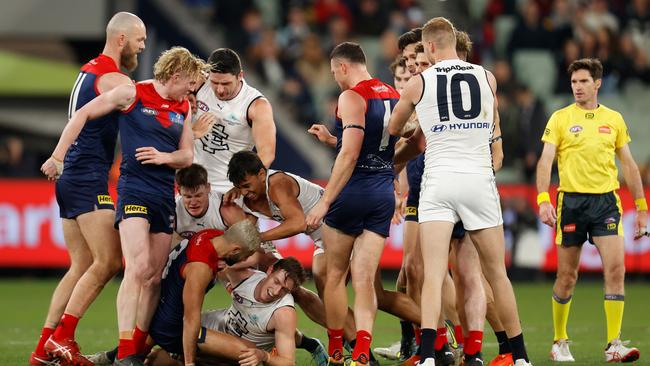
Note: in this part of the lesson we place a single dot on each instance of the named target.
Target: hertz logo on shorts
(104, 199)
(411, 210)
(135, 209)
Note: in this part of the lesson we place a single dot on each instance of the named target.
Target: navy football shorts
(160, 212)
(77, 196)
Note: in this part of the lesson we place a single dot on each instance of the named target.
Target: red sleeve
(200, 248)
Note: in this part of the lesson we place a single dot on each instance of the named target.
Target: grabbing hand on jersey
(547, 213)
(315, 216)
(203, 125)
(149, 155)
(253, 357)
(322, 134)
(52, 168)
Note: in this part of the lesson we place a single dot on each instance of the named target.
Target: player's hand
(232, 195)
(400, 208)
(641, 224)
(150, 155)
(203, 125)
(547, 213)
(52, 168)
(252, 357)
(322, 134)
(315, 216)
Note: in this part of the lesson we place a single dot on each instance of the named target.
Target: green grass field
(24, 303)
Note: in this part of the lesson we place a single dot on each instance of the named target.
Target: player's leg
(365, 261)
(474, 303)
(313, 346)
(490, 243)
(435, 237)
(134, 238)
(504, 358)
(396, 303)
(310, 304)
(338, 248)
(612, 252)
(80, 260)
(218, 345)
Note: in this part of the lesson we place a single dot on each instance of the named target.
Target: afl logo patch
(202, 106)
(575, 129)
(187, 234)
(149, 111)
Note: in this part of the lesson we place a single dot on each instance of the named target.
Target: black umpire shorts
(582, 216)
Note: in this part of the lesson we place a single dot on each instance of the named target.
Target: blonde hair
(440, 31)
(245, 234)
(463, 43)
(178, 60)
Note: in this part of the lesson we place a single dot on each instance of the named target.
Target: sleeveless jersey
(376, 155)
(308, 196)
(248, 318)
(456, 113)
(187, 225)
(231, 132)
(150, 121)
(91, 155)
(170, 307)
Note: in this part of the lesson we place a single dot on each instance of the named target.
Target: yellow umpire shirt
(586, 142)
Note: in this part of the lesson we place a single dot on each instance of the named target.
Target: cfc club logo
(135, 209)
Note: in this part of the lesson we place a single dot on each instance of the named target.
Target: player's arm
(352, 109)
(178, 159)
(496, 143)
(118, 98)
(197, 277)
(322, 134)
(282, 193)
(283, 323)
(633, 181)
(412, 147)
(231, 213)
(112, 80)
(544, 165)
(260, 114)
(405, 106)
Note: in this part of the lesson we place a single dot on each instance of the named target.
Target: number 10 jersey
(456, 114)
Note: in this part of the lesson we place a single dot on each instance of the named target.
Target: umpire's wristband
(543, 197)
(641, 204)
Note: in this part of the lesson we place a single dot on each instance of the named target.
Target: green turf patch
(22, 75)
(24, 304)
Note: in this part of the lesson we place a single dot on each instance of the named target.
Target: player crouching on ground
(262, 317)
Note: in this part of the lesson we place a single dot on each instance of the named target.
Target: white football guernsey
(231, 132)
(187, 225)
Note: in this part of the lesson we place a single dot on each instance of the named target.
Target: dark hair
(192, 177)
(242, 164)
(592, 65)
(398, 62)
(350, 51)
(419, 48)
(293, 269)
(224, 61)
(410, 37)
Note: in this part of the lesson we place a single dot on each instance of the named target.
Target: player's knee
(615, 274)
(414, 270)
(363, 280)
(108, 268)
(566, 280)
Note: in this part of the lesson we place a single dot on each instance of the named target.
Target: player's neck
(358, 77)
(444, 55)
(113, 53)
(588, 105)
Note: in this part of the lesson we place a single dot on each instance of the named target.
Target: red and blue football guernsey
(150, 121)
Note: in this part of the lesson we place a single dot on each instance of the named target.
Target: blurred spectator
(637, 24)
(338, 31)
(508, 115)
(503, 74)
(598, 16)
(560, 21)
(326, 10)
(15, 162)
(529, 33)
(268, 65)
(290, 37)
(570, 53)
(370, 18)
(228, 15)
(532, 120)
(413, 13)
(314, 68)
(389, 50)
(252, 27)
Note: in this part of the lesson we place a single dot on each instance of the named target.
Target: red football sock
(362, 347)
(418, 334)
(66, 327)
(458, 330)
(335, 341)
(139, 340)
(474, 342)
(125, 348)
(45, 334)
(441, 338)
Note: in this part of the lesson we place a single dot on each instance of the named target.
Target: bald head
(440, 32)
(123, 23)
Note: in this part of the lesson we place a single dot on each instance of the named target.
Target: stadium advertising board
(31, 235)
